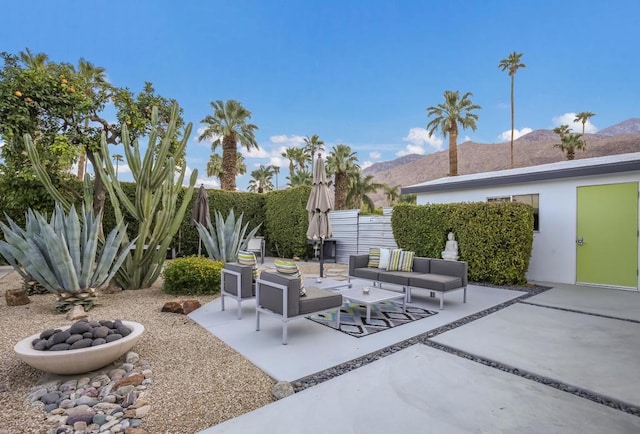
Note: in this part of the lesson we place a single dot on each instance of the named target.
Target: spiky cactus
(64, 255)
(228, 237)
(158, 181)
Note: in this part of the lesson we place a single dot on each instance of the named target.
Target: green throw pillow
(374, 257)
(401, 260)
(291, 269)
(248, 258)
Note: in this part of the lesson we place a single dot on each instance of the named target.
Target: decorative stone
(79, 328)
(85, 416)
(135, 431)
(17, 297)
(50, 398)
(169, 306)
(183, 307)
(282, 389)
(142, 411)
(81, 425)
(99, 419)
(132, 357)
(133, 379)
(189, 306)
(76, 313)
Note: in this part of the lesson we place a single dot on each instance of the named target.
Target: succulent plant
(64, 255)
(228, 237)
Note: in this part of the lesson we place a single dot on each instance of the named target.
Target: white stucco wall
(553, 257)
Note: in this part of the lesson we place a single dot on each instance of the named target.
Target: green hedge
(194, 275)
(287, 221)
(495, 239)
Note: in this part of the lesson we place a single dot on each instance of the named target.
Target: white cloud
(122, 168)
(207, 182)
(366, 164)
(254, 153)
(278, 162)
(466, 139)
(375, 155)
(417, 138)
(287, 141)
(575, 127)
(506, 136)
(1, 143)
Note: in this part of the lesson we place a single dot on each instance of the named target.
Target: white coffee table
(329, 284)
(375, 295)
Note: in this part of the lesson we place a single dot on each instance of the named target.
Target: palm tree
(359, 190)
(341, 162)
(214, 165)
(512, 64)
(299, 178)
(33, 61)
(569, 143)
(562, 130)
(295, 156)
(92, 78)
(447, 116)
(229, 126)
(583, 117)
(118, 159)
(261, 179)
(276, 171)
(391, 193)
(312, 145)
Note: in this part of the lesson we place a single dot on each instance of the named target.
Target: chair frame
(238, 295)
(285, 318)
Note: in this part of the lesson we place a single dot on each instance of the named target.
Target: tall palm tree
(391, 193)
(117, 158)
(446, 117)
(562, 130)
(214, 165)
(229, 126)
(341, 162)
(261, 179)
(359, 190)
(299, 178)
(512, 64)
(295, 156)
(312, 145)
(569, 143)
(583, 117)
(33, 60)
(93, 78)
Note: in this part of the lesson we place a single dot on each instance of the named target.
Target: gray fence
(355, 234)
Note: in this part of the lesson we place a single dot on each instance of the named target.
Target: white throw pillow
(385, 255)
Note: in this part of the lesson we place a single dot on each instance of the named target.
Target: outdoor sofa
(278, 295)
(434, 275)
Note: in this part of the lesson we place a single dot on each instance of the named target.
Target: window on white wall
(529, 199)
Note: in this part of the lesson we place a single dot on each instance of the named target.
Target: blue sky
(360, 73)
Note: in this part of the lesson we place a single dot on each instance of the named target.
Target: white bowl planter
(81, 360)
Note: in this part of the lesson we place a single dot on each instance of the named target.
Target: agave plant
(64, 255)
(228, 237)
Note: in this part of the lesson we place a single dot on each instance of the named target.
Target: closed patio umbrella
(200, 212)
(318, 206)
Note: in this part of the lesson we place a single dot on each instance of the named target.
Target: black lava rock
(100, 332)
(87, 335)
(60, 347)
(113, 337)
(60, 337)
(106, 323)
(79, 328)
(98, 341)
(82, 343)
(48, 333)
(123, 330)
(41, 345)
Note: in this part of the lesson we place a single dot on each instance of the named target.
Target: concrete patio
(587, 338)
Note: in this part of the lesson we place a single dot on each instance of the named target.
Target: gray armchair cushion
(436, 282)
(358, 261)
(247, 288)
(271, 297)
(395, 277)
(317, 300)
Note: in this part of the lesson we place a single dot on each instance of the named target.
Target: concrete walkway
(584, 337)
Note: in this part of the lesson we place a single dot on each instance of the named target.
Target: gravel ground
(198, 380)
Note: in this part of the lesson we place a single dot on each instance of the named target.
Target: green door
(607, 235)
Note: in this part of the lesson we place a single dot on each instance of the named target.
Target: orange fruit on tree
(18, 93)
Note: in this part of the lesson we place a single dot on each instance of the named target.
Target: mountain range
(529, 150)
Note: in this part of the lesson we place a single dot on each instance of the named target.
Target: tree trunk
(571, 154)
(341, 190)
(229, 161)
(99, 190)
(81, 164)
(453, 150)
(512, 117)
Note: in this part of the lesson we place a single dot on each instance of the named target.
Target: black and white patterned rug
(353, 317)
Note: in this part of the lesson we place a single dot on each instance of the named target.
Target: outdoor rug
(353, 317)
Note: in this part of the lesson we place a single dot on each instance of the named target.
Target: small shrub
(193, 275)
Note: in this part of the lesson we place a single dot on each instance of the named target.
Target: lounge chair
(236, 281)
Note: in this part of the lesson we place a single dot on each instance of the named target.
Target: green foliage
(194, 275)
(495, 239)
(287, 221)
(64, 255)
(227, 237)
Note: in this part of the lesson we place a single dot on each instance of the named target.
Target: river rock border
(107, 401)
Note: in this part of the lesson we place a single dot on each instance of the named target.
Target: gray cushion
(421, 265)
(395, 277)
(366, 273)
(357, 261)
(436, 282)
(247, 288)
(450, 268)
(317, 300)
(271, 297)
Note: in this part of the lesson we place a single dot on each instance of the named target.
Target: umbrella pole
(321, 257)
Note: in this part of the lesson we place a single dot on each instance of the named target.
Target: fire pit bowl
(80, 360)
